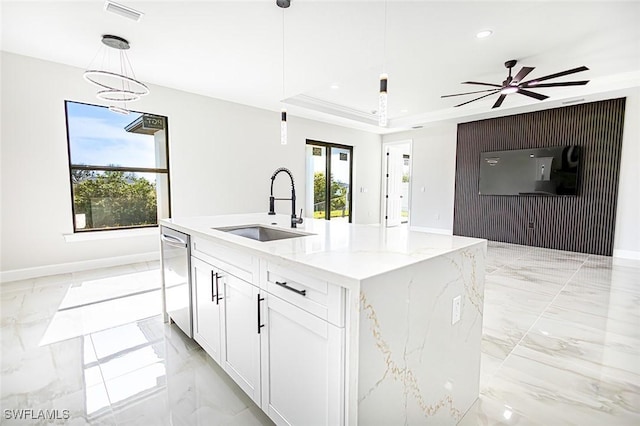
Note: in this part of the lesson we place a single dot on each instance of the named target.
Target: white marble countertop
(354, 252)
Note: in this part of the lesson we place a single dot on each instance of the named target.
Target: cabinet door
(207, 310)
(302, 374)
(241, 355)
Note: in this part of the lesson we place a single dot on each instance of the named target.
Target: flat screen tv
(551, 171)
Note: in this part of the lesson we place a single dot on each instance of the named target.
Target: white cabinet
(278, 334)
(241, 354)
(207, 309)
(302, 374)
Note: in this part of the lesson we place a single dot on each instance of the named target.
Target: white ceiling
(233, 50)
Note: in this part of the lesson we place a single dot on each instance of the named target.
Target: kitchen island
(342, 324)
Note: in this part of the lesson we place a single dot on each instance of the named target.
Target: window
(118, 168)
(330, 169)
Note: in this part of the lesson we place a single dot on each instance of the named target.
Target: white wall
(222, 156)
(627, 237)
(433, 167)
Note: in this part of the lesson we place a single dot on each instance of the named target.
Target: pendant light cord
(384, 40)
(283, 37)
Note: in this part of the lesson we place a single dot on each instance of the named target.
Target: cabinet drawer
(320, 298)
(236, 262)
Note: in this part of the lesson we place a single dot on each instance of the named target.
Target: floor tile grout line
(538, 318)
(104, 382)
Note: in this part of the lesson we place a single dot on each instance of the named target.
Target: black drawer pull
(214, 278)
(260, 299)
(295, 290)
(218, 298)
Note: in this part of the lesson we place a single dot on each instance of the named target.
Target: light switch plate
(455, 309)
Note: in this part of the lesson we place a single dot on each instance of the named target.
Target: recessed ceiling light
(335, 86)
(484, 34)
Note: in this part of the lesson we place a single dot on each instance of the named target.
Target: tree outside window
(338, 194)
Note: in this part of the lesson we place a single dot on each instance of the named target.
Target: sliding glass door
(329, 175)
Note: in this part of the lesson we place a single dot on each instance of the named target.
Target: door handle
(173, 241)
(218, 298)
(260, 299)
(214, 277)
(295, 290)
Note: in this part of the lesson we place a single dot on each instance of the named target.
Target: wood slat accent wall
(583, 223)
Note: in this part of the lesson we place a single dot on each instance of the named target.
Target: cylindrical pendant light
(283, 127)
(382, 97)
(382, 101)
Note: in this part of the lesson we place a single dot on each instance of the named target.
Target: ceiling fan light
(509, 90)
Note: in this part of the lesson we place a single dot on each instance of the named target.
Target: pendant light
(382, 97)
(283, 4)
(115, 78)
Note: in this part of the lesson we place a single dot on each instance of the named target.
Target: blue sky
(97, 137)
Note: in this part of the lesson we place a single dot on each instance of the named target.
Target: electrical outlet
(455, 309)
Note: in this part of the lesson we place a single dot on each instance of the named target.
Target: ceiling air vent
(121, 10)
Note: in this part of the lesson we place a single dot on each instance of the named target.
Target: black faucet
(294, 219)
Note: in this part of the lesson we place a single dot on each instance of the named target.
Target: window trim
(72, 167)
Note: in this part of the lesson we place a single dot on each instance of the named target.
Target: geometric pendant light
(115, 77)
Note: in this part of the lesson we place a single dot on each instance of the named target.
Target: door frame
(384, 178)
(328, 146)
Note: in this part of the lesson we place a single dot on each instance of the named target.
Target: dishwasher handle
(173, 241)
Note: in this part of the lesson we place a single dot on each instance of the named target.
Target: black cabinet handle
(214, 276)
(260, 299)
(295, 290)
(218, 298)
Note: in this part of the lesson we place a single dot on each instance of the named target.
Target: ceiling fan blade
(499, 101)
(482, 84)
(558, 74)
(521, 74)
(538, 96)
(565, 83)
(480, 97)
(468, 93)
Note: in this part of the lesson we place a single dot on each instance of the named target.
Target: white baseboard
(626, 254)
(64, 268)
(431, 230)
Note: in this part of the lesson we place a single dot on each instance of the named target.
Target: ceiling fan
(516, 85)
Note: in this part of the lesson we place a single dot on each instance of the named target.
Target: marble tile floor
(561, 339)
(94, 344)
(561, 346)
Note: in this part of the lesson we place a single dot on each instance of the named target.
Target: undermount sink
(261, 233)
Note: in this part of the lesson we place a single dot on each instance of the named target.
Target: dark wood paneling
(583, 223)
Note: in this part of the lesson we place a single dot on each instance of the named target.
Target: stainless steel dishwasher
(176, 278)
